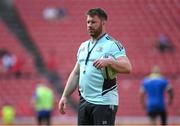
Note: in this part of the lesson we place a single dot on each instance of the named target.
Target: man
(98, 96)
(154, 87)
(8, 114)
(43, 102)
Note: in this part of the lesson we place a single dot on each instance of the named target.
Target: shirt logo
(83, 49)
(100, 49)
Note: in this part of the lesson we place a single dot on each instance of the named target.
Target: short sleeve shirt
(91, 82)
(155, 87)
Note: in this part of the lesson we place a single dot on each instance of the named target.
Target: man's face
(94, 26)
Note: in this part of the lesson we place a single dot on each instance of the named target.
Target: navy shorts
(161, 114)
(44, 117)
(92, 114)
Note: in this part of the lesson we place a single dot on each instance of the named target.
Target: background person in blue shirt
(98, 95)
(153, 87)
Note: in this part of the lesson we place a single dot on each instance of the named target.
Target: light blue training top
(92, 85)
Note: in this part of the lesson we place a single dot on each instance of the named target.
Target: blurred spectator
(10, 63)
(8, 114)
(43, 103)
(7, 60)
(53, 13)
(164, 44)
(153, 87)
(17, 67)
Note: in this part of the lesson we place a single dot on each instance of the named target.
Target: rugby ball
(108, 72)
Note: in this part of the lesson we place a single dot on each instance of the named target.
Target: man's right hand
(62, 105)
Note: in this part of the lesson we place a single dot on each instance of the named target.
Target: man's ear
(104, 22)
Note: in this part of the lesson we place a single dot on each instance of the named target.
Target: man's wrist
(110, 62)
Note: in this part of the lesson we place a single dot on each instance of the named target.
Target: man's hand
(102, 62)
(62, 105)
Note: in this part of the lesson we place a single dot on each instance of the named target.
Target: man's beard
(96, 33)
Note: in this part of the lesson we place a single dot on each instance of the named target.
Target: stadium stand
(136, 23)
(10, 43)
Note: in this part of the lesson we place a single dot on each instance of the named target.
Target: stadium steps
(136, 23)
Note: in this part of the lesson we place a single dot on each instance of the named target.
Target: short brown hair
(99, 12)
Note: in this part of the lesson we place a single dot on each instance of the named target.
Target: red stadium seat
(135, 23)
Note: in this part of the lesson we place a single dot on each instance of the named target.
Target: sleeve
(117, 50)
(142, 88)
(167, 85)
(34, 96)
(78, 52)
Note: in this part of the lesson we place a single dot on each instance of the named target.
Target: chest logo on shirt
(100, 49)
(83, 49)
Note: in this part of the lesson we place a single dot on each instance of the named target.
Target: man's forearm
(142, 100)
(71, 84)
(170, 93)
(121, 65)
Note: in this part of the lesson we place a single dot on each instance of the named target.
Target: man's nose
(89, 25)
